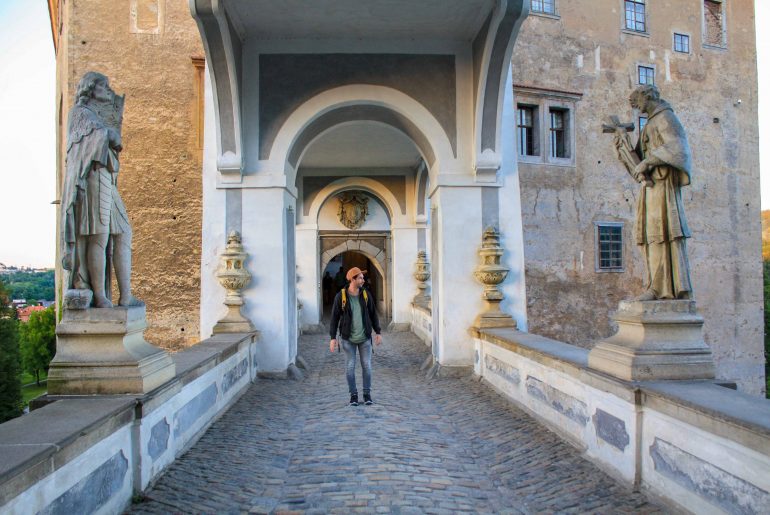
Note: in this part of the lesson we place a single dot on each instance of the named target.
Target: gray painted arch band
(286, 81)
(360, 113)
(396, 184)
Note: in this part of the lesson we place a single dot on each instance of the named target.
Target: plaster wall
(214, 226)
(422, 324)
(458, 239)
(699, 447)
(404, 250)
(705, 472)
(55, 492)
(308, 286)
(90, 455)
(268, 303)
(148, 60)
(584, 50)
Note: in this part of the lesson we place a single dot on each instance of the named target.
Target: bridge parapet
(92, 453)
(696, 445)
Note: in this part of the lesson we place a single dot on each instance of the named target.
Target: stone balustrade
(696, 445)
(91, 454)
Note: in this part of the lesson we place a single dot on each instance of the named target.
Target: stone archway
(372, 246)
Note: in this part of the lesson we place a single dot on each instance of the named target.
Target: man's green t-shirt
(357, 333)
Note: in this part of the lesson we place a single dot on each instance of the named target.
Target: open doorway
(333, 280)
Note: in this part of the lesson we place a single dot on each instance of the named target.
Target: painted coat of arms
(353, 209)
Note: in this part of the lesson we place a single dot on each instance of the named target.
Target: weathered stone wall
(567, 299)
(146, 48)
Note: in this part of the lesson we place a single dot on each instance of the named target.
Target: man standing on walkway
(353, 311)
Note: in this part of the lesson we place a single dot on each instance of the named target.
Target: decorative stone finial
(422, 274)
(233, 277)
(491, 273)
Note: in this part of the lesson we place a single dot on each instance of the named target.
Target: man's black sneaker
(354, 399)
(368, 399)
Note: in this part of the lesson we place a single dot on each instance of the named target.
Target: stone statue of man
(665, 166)
(95, 232)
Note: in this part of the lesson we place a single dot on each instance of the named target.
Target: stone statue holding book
(95, 231)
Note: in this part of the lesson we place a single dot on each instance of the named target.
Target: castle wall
(586, 51)
(146, 48)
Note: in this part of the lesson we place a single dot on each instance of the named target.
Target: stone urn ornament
(422, 274)
(233, 277)
(491, 274)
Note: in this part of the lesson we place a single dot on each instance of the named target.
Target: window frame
(646, 66)
(546, 100)
(625, 21)
(543, 12)
(566, 133)
(537, 147)
(597, 247)
(689, 42)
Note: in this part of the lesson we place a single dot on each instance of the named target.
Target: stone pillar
(403, 248)
(422, 274)
(271, 302)
(491, 274)
(661, 339)
(309, 286)
(233, 276)
(102, 351)
(456, 223)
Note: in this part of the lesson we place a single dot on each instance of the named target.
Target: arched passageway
(333, 280)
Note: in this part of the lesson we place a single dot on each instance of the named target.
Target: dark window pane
(610, 247)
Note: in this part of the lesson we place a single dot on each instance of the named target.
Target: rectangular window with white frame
(609, 246)
(646, 75)
(681, 43)
(636, 15)
(545, 125)
(543, 6)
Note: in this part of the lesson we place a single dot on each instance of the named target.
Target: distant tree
(10, 385)
(766, 268)
(31, 285)
(37, 339)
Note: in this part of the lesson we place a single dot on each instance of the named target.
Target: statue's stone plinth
(660, 339)
(103, 351)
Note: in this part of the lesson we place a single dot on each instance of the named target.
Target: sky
(28, 137)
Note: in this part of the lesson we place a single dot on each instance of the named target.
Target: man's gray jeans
(365, 353)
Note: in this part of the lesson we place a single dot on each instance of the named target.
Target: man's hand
(377, 339)
(333, 345)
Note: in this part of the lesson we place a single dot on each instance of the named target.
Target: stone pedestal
(656, 340)
(103, 351)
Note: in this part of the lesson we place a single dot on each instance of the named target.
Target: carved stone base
(103, 351)
(233, 322)
(494, 318)
(656, 340)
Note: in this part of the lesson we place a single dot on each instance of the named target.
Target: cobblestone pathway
(440, 446)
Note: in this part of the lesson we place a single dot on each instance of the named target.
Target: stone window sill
(545, 15)
(635, 33)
